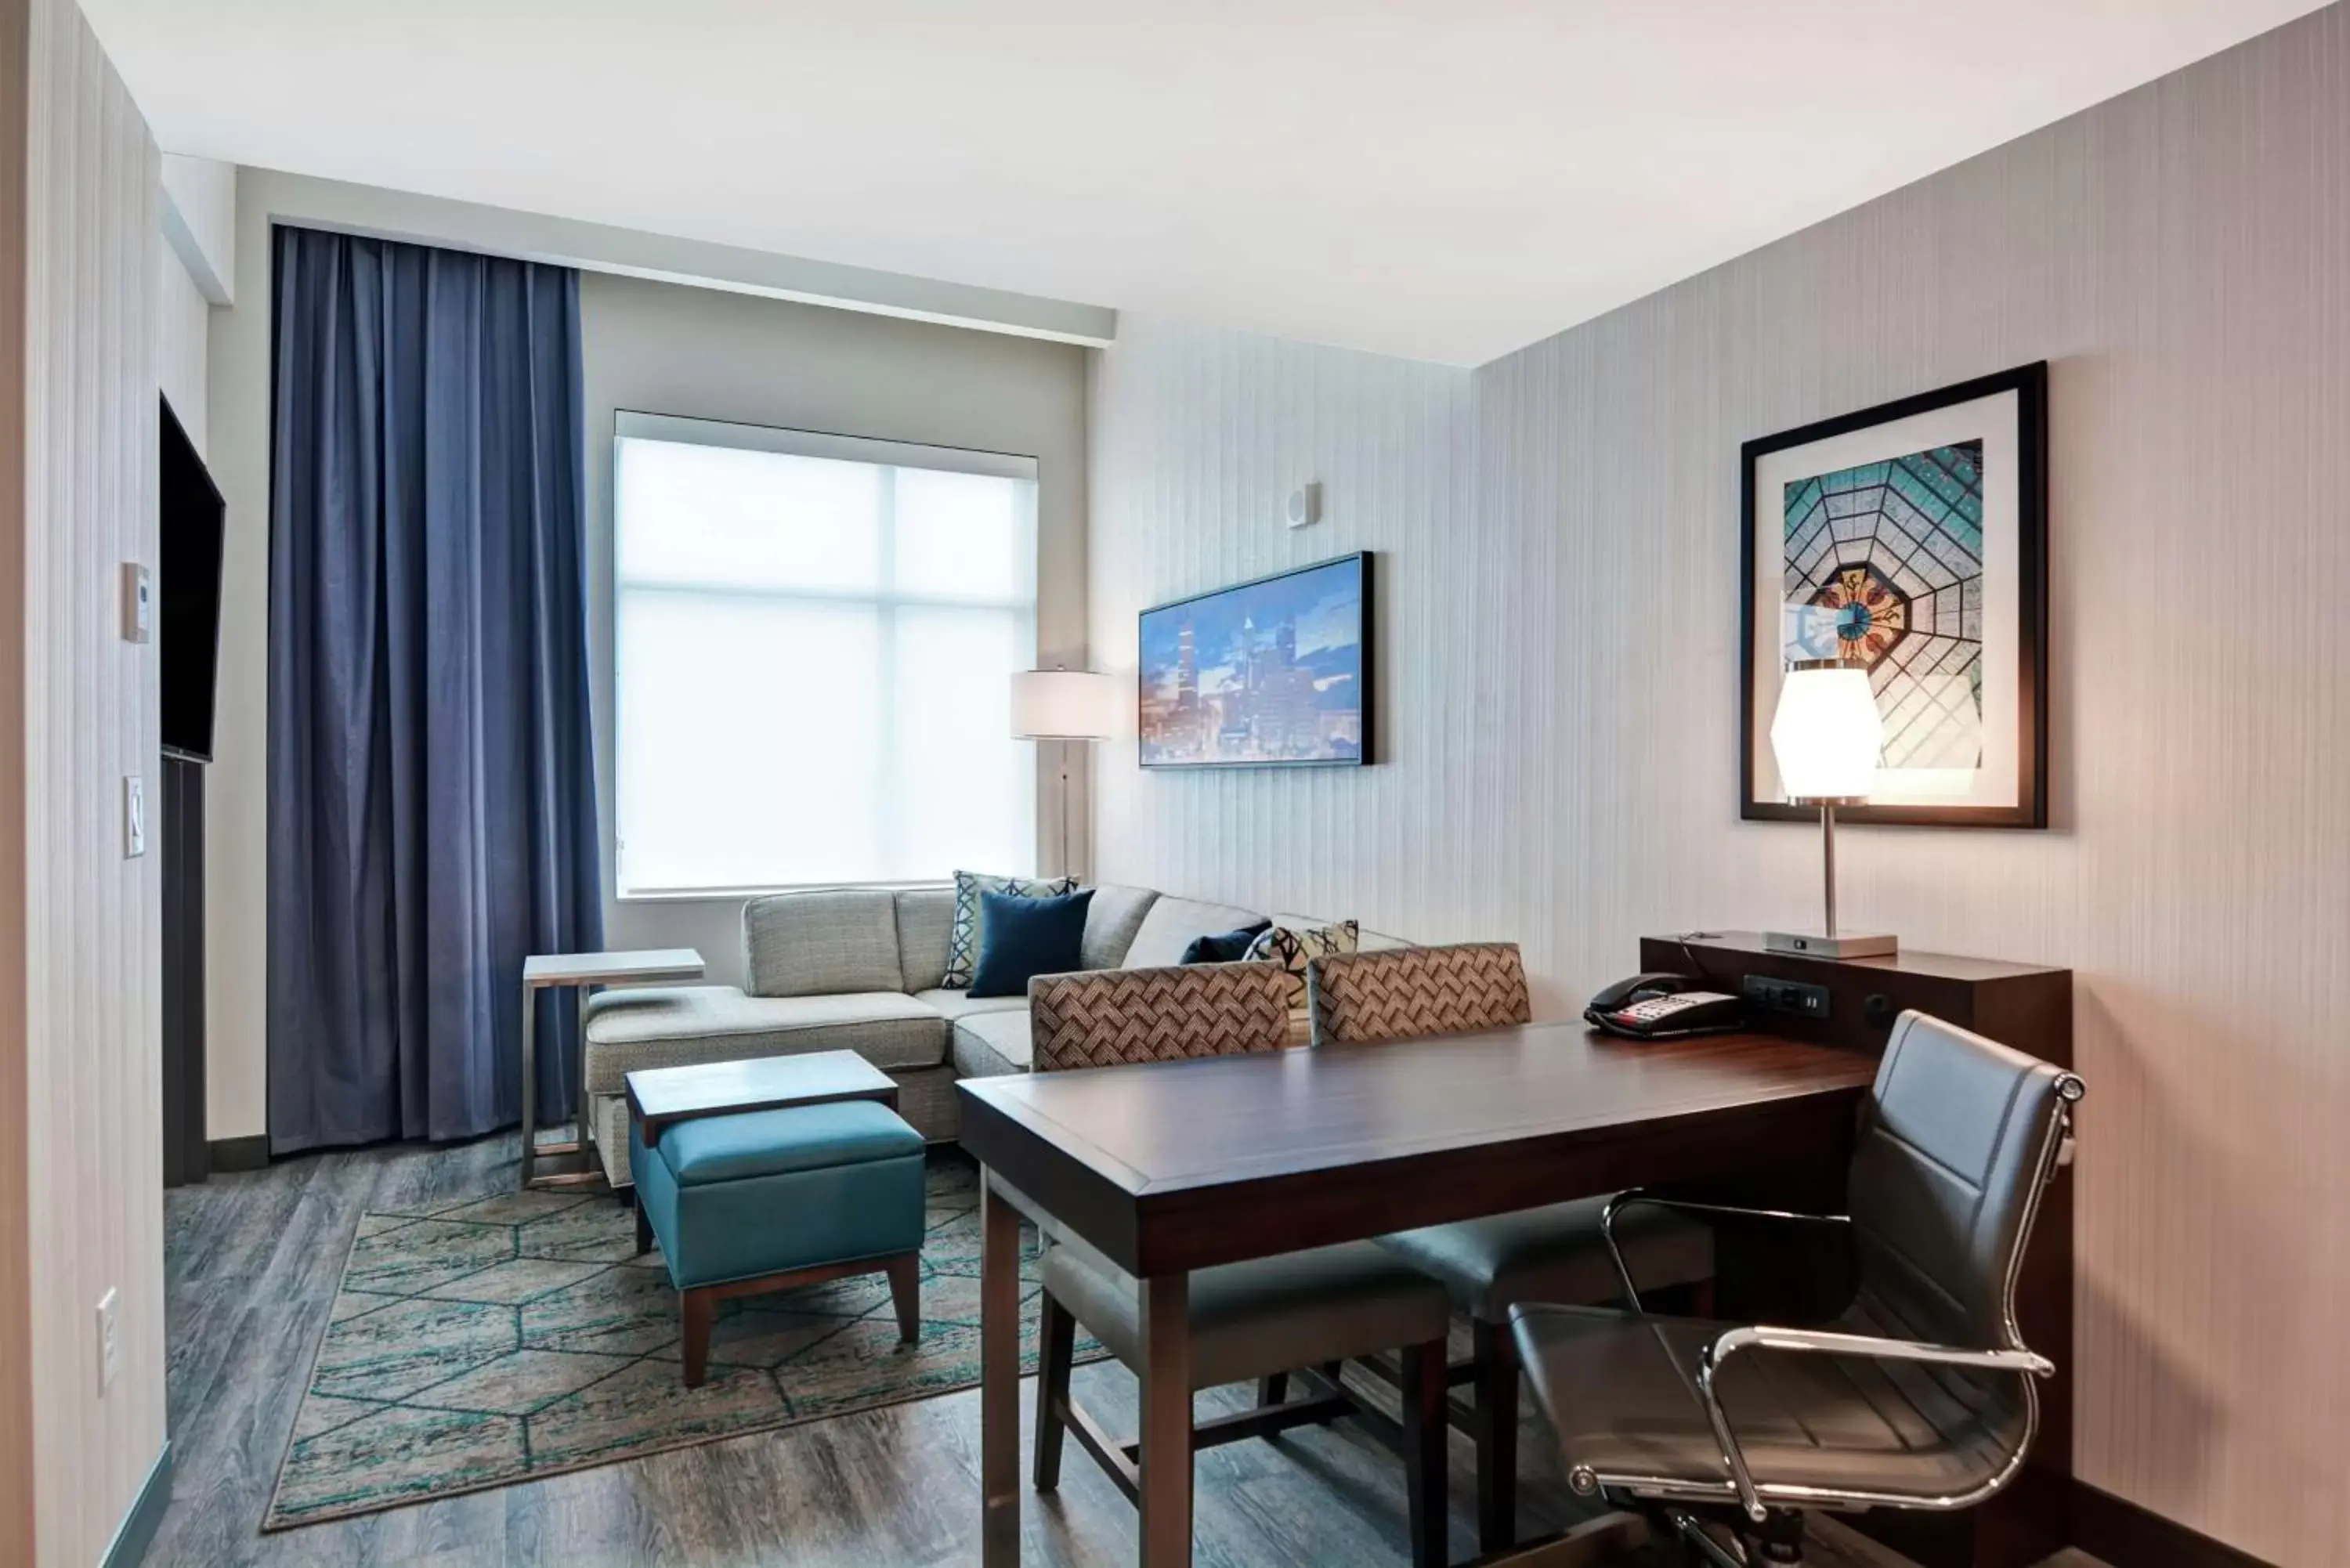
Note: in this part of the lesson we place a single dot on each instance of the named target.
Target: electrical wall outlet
(109, 1341)
(134, 817)
(1793, 996)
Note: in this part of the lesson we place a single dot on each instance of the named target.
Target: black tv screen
(187, 598)
(1276, 671)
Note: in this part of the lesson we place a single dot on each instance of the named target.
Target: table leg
(1166, 1457)
(587, 1138)
(529, 1083)
(999, 1378)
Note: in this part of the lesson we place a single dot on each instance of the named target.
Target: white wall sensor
(1306, 506)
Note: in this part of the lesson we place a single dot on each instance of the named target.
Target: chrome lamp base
(1812, 945)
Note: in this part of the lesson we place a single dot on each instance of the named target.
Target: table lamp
(1826, 735)
(1063, 705)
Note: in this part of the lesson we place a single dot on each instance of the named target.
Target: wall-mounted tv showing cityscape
(1274, 672)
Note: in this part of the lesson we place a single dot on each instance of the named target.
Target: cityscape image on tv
(1265, 672)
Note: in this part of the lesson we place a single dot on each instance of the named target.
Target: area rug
(485, 1342)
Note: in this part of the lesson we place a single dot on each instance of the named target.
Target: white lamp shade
(1827, 733)
(1065, 705)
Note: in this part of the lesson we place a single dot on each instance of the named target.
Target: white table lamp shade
(1827, 733)
(1065, 705)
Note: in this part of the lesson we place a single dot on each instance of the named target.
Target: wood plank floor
(251, 1265)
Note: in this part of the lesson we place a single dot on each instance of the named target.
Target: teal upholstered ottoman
(773, 1199)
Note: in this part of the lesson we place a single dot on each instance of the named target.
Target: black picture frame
(1368, 676)
(2029, 383)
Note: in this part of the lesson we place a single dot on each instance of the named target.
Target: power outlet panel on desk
(1852, 1002)
(1795, 996)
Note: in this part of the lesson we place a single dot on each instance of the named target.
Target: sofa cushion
(1110, 924)
(1295, 947)
(990, 1045)
(1365, 941)
(1170, 924)
(925, 917)
(957, 1004)
(674, 1027)
(1023, 938)
(970, 919)
(792, 1138)
(1225, 947)
(821, 944)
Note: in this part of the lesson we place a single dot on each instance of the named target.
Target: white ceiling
(1449, 181)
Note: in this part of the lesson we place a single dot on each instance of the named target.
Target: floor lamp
(1063, 705)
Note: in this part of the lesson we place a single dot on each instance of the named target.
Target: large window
(814, 636)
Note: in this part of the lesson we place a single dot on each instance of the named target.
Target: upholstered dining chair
(1921, 1395)
(1557, 1252)
(1248, 1321)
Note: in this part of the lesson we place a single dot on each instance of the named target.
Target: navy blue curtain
(432, 775)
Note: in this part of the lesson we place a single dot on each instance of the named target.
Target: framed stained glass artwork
(1911, 538)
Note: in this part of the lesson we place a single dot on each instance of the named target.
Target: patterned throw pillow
(1294, 947)
(963, 939)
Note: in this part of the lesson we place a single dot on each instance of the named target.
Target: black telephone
(1663, 1007)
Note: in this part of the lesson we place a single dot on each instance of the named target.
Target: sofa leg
(644, 1232)
(701, 1309)
(906, 1294)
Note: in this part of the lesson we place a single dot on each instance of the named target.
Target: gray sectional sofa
(859, 970)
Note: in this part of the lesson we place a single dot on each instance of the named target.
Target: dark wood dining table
(1174, 1167)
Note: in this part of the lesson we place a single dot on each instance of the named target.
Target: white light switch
(109, 1344)
(137, 603)
(134, 817)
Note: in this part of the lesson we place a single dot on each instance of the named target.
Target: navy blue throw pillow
(1224, 947)
(1020, 939)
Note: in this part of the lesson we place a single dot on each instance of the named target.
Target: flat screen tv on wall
(1271, 674)
(188, 592)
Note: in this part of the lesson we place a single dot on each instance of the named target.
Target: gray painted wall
(1561, 638)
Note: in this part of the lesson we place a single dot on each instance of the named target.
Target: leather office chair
(1248, 1321)
(1558, 1252)
(1919, 1396)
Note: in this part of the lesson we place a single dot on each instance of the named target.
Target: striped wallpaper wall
(80, 1055)
(1559, 604)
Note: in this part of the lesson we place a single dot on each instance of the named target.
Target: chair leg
(1425, 1431)
(701, 1310)
(905, 1295)
(1057, 1352)
(1497, 1437)
(1271, 1389)
(644, 1232)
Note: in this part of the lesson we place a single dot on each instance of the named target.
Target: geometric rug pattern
(491, 1340)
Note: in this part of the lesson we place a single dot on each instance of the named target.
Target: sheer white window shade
(814, 636)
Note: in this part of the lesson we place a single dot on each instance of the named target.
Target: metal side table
(580, 971)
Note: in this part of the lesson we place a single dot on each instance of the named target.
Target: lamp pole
(1827, 857)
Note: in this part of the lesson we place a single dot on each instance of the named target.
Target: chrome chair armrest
(1827, 1343)
(1622, 1200)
